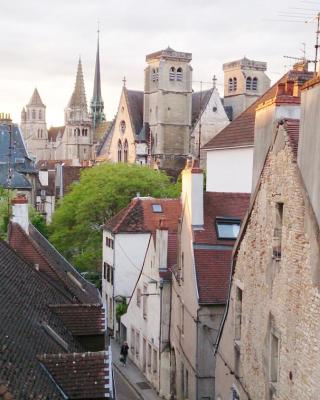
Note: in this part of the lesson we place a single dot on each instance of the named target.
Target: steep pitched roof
(199, 104)
(213, 255)
(139, 216)
(24, 315)
(36, 99)
(135, 108)
(78, 99)
(240, 131)
(80, 376)
(54, 132)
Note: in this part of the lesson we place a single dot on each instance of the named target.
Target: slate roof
(240, 131)
(24, 298)
(80, 376)
(200, 101)
(104, 145)
(138, 216)
(135, 108)
(213, 255)
(19, 160)
(35, 249)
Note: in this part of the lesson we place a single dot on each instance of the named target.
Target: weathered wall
(281, 296)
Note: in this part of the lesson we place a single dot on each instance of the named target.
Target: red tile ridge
(134, 202)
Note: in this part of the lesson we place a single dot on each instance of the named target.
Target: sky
(41, 41)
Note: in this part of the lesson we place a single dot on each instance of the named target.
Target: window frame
(227, 221)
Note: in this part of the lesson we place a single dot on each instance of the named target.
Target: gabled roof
(80, 376)
(135, 108)
(213, 255)
(199, 104)
(240, 131)
(104, 145)
(36, 99)
(138, 216)
(35, 249)
(54, 132)
(78, 99)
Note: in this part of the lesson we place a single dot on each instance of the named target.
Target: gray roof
(199, 104)
(135, 105)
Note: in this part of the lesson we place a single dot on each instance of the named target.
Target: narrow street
(124, 391)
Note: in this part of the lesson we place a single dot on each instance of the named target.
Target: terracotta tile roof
(35, 249)
(81, 319)
(138, 216)
(213, 258)
(54, 132)
(80, 376)
(24, 298)
(240, 132)
(292, 128)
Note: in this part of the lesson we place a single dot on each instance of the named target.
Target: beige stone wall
(279, 296)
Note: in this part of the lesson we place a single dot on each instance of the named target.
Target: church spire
(78, 99)
(97, 105)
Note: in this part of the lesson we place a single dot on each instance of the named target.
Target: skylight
(157, 208)
(227, 228)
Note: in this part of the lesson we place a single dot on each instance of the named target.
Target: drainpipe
(197, 375)
(160, 346)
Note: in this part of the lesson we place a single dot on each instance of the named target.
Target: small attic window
(227, 228)
(157, 208)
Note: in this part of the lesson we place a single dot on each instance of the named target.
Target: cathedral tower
(78, 137)
(244, 82)
(34, 127)
(167, 105)
(97, 105)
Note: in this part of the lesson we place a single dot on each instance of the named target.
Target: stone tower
(167, 105)
(97, 105)
(34, 127)
(244, 82)
(78, 135)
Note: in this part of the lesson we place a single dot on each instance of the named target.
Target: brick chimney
(20, 211)
(192, 191)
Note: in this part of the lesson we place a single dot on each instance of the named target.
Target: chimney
(20, 211)
(162, 244)
(192, 192)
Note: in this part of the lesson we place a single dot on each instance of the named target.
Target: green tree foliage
(5, 211)
(38, 221)
(102, 191)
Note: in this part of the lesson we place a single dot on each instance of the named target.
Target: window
(234, 84)
(110, 308)
(119, 151)
(157, 208)
(122, 126)
(248, 83)
(109, 242)
(108, 272)
(137, 344)
(186, 392)
(33, 114)
(227, 228)
(153, 75)
(274, 358)
(277, 234)
(132, 343)
(125, 151)
(40, 114)
(234, 394)
(149, 357)
(254, 83)
(230, 85)
(179, 74)
(172, 74)
(105, 270)
(139, 297)
(238, 314)
(145, 302)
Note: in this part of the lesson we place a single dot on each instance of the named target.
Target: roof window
(227, 228)
(157, 208)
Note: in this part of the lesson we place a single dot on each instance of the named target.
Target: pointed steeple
(97, 105)
(35, 99)
(78, 99)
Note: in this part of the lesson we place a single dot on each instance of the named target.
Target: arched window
(230, 85)
(153, 75)
(248, 83)
(172, 74)
(157, 74)
(255, 83)
(119, 151)
(125, 151)
(33, 114)
(179, 74)
(40, 114)
(234, 84)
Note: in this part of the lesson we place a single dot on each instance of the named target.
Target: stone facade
(270, 341)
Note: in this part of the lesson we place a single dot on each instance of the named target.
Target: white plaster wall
(230, 170)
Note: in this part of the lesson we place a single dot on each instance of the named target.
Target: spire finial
(124, 81)
(214, 81)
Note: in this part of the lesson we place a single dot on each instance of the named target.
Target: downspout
(114, 274)
(197, 375)
(160, 347)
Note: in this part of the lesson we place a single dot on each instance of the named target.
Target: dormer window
(157, 208)
(172, 74)
(179, 74)
(227, 228)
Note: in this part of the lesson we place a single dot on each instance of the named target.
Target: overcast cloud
(41, 40)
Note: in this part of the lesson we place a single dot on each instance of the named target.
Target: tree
(39, 221)
(5, 210)
(102, 191)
